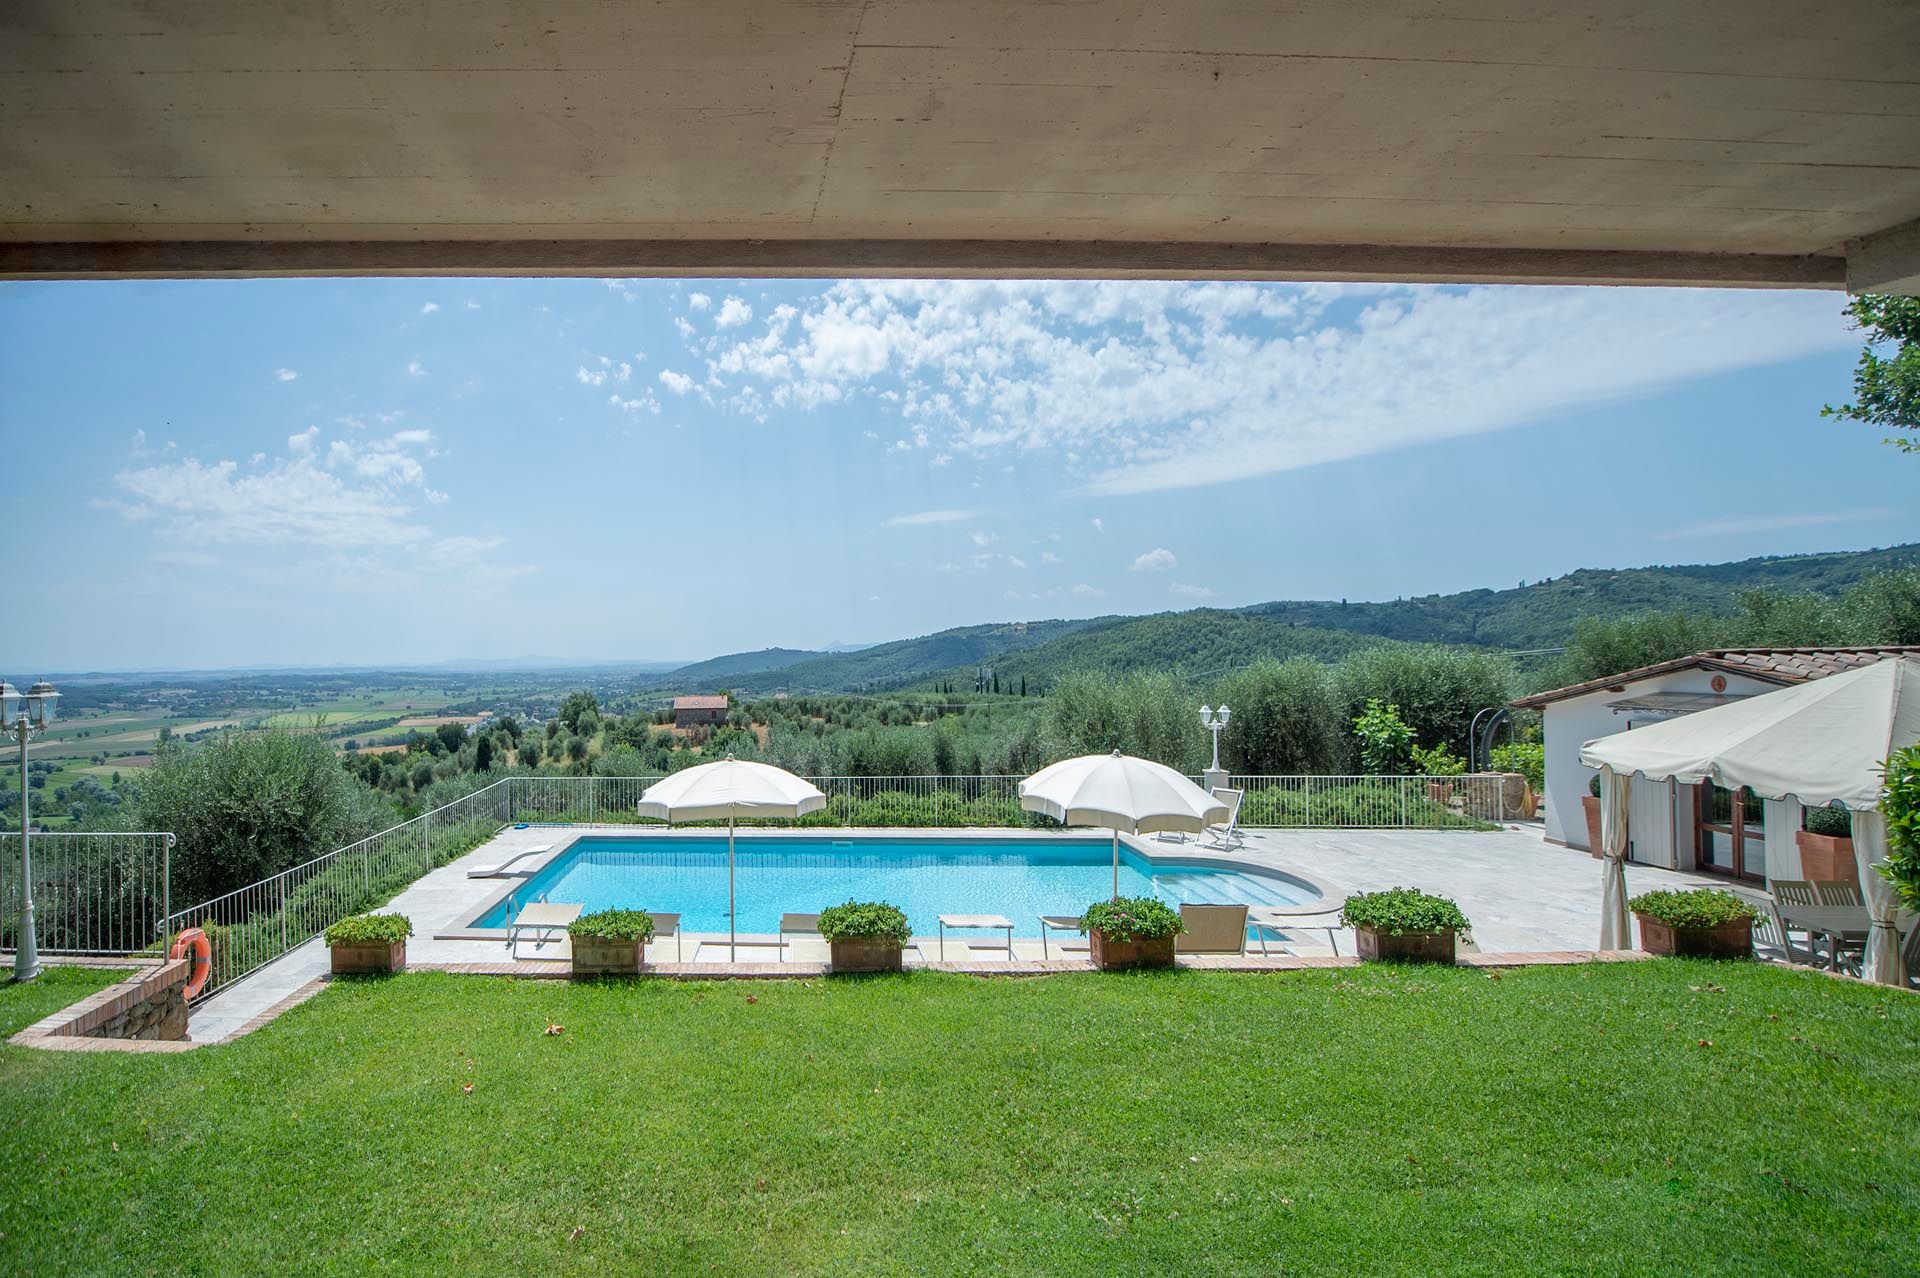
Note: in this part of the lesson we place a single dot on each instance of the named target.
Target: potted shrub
(1591, 802)
(608, 942)
(1131, 931)
(1826, 845)
(1439, 762)
(370, 943)
(864, 936)
(1404, 925)
(1702, 923)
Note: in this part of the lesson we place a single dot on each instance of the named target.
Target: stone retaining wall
(149, 1009)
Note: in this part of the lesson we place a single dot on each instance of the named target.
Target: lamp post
(24, 716)
(1215, 721)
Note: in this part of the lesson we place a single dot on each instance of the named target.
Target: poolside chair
(797, 925)
(665, 925)
(1276, 923)
(1843, 926)
(1212, 929)
(1228, 836)
(1050, 923)
(504, 869)
(543, 921)
(1838, 892)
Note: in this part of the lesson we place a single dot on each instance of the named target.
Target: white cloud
(1734, 525)
(588, 377)
(1139, 386)
(1049, 558)
(286, 374)
(138, 448)
(698, 301)
(1099, 524)
(678, 383)
(1183, 591)
(430, 308)
(472, 305)
(1159, 559)
(980, 537)
(643, 402)
(415, 368)
(733, 313)
(1084, 591)
(680, 323)
(303, 442)
(932, 517)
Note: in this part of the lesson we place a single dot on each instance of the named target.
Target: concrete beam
(822, 258)
(1886, 262)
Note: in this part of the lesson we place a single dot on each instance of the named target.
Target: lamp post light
(25, 716)
(1216, 723)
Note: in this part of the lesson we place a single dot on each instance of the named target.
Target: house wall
(1660, 815)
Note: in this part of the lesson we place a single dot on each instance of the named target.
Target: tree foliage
(1886, 381)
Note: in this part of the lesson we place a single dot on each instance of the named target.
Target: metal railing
(93, 893)
(251, 926)
(254, 925)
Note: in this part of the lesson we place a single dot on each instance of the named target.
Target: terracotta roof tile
(699, 703)
(1775, 665)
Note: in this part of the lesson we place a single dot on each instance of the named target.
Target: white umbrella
(730, 788)
(1120, 793)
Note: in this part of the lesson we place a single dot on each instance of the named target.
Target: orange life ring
(192, 938)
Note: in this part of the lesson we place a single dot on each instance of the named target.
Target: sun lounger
(1212, 929)
(505, 868)
(1050, 923)
(797, 925)
(1277, 923)
(962, 922)
(665, 925)
(543, 921)
(1228, 836)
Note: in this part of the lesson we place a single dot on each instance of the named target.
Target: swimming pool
(925, 876)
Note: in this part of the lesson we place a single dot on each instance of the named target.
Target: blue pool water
(926, 877)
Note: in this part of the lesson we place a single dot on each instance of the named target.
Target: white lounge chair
(1212, 929)
(1228, 836)
(505, 868)
(797, 925)
(1050, 923)
(1277, 923)
(543, 921)
(665, 925)
(962, 922)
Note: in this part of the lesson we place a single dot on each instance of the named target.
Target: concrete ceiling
(1765, 142)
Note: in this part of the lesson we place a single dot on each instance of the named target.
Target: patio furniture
(1838, 892)
(1801, 909)
(505, 868)
(1212, 929)
(1227, 836)
(1276, 922)
(990, 922)
(797, 925)
(543, 921)
(665, 925)
(1060, 923)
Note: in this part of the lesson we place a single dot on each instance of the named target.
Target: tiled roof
(700, 703)
(1770, 665)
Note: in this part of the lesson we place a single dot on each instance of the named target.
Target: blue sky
(391, 471)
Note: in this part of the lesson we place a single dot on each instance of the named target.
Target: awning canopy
(1821, 742)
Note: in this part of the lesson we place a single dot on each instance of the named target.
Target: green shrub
(1132, 918)
(1437, 762)
(1386, 742)
(370, 929)
(1399, 910)
(614, 925)
(1698, 907)
(1901, 806)
(864, 919)
(1835, 823)
(1528, 758)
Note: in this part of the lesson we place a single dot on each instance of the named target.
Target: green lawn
(1660, 1118)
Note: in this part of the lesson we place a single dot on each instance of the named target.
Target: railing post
(283, 914)
(426, 842)
(166, 887)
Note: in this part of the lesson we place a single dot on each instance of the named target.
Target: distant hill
(905, 661)
(1538, 615)
(733, 665)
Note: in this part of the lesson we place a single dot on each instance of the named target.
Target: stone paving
(1523, 894)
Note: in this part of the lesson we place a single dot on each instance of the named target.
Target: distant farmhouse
(697, 712)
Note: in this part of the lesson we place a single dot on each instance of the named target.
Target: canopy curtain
(1616, 929)
(1882, 960)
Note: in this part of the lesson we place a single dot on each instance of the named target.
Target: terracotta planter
(1826, 856)
(1727, 941)
(1591, 803)
(1406, 947)
(865, 954)
(606, 956)
(370, 958)
(1111, 955)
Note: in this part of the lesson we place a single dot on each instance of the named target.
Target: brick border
(71, 1028)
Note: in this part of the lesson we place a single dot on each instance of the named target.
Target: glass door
(1730, 832)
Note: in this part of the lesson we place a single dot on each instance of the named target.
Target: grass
(1659, 1118)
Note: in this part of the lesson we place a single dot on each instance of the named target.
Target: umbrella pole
(730, 943)
(1116, 864)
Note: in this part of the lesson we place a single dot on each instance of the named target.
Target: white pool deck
(1522, 893)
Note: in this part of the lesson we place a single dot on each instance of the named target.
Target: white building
(1693, 827)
